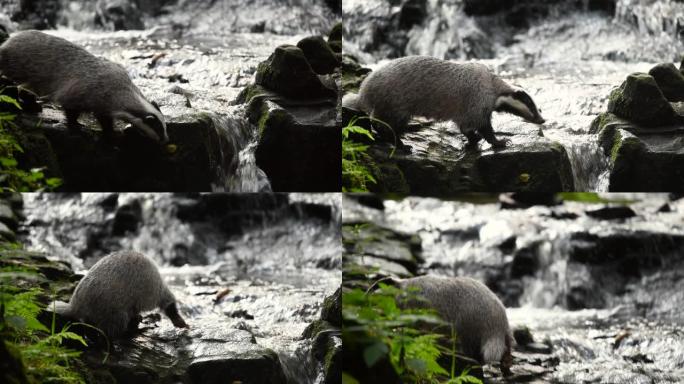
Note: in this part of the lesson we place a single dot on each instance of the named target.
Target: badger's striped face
(520, 104)
(148, 120)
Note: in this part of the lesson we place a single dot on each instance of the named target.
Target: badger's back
(478, 315)
(116, 288)
(62, 71)
(430, 87)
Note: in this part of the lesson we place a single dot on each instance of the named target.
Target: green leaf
(9, 100)
(348, 379)
(374, 352)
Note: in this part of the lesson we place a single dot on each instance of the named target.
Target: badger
(65, 73)
(116, 290)
(478, 316)
(466, 94)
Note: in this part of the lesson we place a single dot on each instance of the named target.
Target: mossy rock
(319, 54)
(335, 38)
(352, 74)
(669, 80)
(640, 100)
(288, 73)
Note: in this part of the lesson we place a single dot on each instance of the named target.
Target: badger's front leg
(487, 132)
(72, 119)
(107, 124)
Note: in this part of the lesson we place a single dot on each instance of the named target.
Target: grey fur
(466, 94)
(116, 290)
(67, 74)
(476, 312)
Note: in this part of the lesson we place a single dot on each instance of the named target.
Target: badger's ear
(154, 104)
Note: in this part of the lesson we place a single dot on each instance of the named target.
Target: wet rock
(127, 218)
(525, 261)
(319, 54)
(612, 213)
(335, 38)
(669, 80)
(527, 199)
(110, 201)
(299, 145)
(37, 14)
(288, 72)
(134, 163)
(7, 234)
(312, 211)
(118, 15)
(640, 100)
(326, 335)
(523, 336)
(383, 244)
(627, 250)
(368, 199)
(7, 216)
(665, 208)
(641, 159)
(412, 12)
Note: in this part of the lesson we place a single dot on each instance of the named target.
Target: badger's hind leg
(473, 139)
(133, 323)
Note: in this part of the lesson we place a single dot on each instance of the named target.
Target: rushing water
(195, 57)
(278, 269)
(568, 60)
(644, 307)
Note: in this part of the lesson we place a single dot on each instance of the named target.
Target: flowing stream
(606, 295)
(277, 261)
(195, 57)
(568, 58)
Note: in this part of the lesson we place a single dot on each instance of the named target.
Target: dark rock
(525, 261)
(369, 200)
(119, 15)
(517, 200)
(392, 252)
(612, 213)
(37, 14)
(287, 72)
(538, 348)
(335, 38)
(581, 297)
(412, 12)
(319, 54)
(127, 218)
(669, 80)
(640, 100)
(507, 246)
(312, 211)
(299, 146)
(258, 367)
(627, 252)
(136, 163)
(335, 5)
(7, 234)
(522, 336)
(332, 309)
(665, 208)
(8, 217)
(642, 159)
(110, 202)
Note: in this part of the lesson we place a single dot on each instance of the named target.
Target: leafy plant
(397, 332)
(12, 178)
(41, 351)
(355, 175)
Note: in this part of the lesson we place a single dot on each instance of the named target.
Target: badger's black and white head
(519, 103)
(147, 118)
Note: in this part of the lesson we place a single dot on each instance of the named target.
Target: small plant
(355, 175)
(386, 330)
(12, 178)
(41, 351)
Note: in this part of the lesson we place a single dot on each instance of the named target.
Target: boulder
(319, 54)
(335, 38)
(612, 213)
(641, 159)
(669, 80)
(288, 73)
(119, 15)
(640, 100)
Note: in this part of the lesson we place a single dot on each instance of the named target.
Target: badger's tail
(352, 101)
(495, 348)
